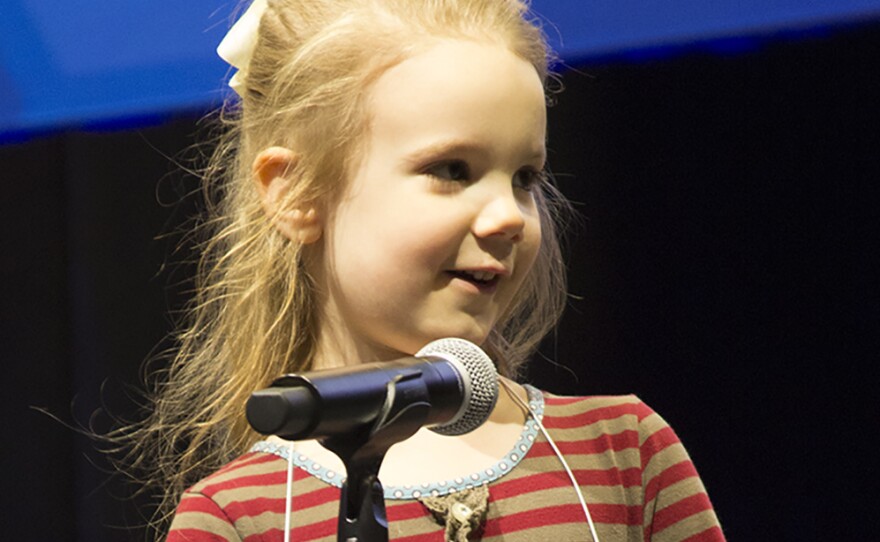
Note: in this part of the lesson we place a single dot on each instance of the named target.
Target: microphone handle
(330, 402)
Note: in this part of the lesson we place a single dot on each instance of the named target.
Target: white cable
(288, 501)
(562, 460)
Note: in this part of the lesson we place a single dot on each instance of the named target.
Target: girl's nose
(501, 216)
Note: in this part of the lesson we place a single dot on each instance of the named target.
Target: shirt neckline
(434, 489)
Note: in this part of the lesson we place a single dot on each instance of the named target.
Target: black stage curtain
(725, 270)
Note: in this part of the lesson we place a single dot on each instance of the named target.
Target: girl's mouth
(483, 281)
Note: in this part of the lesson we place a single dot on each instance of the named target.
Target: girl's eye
(453, 170)
(528, 178)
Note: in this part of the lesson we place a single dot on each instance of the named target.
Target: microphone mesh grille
(483, 378)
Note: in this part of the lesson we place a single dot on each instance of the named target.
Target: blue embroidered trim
(445, 487)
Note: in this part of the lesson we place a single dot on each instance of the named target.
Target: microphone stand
(362, 503)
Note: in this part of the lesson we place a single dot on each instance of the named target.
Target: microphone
(461, 381)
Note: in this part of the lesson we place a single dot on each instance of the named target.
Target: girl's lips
(477, 281)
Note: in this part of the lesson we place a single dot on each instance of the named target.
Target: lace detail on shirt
(433, 489)
(460, 513)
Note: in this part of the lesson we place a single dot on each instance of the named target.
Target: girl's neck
(339, 349)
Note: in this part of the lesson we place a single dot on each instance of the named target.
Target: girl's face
(438, 225)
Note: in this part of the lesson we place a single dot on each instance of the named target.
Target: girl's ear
(274, 170)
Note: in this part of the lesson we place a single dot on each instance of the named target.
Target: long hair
(253, 313)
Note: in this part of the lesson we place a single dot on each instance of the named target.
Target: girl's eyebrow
(444, 148)
(460, 147)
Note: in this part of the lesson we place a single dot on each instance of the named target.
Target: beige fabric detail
(571, 532)
(662, 460)
(263, 467)
(602, 428)
(680, 490)
(602, 460)
(237, 494)
(650, 425)
(690, 525)
(205, 522)
(462, 512)
(423, 524)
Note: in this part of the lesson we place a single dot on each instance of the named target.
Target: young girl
(381, 187)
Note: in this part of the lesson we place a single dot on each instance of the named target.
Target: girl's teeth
(482, 275)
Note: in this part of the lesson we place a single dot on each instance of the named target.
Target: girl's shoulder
(625, 419)
(250, 469)
(590, 401)
(568, 411)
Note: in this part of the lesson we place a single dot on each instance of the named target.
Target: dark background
(725, 270)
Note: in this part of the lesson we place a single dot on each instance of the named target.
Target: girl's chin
(478, 336)
(407, 345)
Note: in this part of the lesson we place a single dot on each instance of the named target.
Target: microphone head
(480, 383)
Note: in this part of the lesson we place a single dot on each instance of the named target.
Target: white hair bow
(238, 45)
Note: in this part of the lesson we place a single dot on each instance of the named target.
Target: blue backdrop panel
(74, 62)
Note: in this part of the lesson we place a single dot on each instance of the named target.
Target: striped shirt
(636, 477)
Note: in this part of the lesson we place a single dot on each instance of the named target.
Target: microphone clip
(362, 504)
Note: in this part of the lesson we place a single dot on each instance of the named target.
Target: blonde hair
(252, 317)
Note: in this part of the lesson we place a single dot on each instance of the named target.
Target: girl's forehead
(460, 90)
(450, 64)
